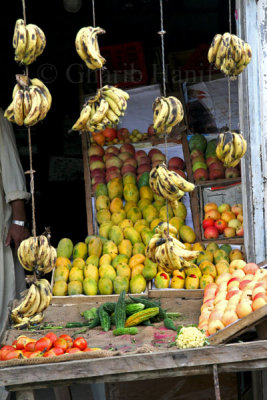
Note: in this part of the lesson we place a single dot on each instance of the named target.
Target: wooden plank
(116, 368)
(219, 182)
(87, 184)
(177, 293)
(238, 327)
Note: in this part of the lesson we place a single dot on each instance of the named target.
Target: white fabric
(12, 187)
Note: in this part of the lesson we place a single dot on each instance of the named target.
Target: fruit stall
(163, 285)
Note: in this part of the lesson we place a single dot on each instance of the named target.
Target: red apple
(124, 156)
(231, 293)
(129, 148)
(179, 172)
(130, 161)
(143, 168)
(210, 160)
(229, 232)
(195, 153)
(95, 158)
(237, 209)
(244, 308)
(216, 174)
(112, 169)
(198, 159)
(128, 168)
(157, 156)
(217, 165)
(150, 130)
(107, 156)
(113, 175)
(201, 174)
(176, 162)
(112, 149)
(227, 216)
(113, 162)
(97, 165)
(250, 268)
(214, 214)
(207, 222)
(97, 172)
(98, 179)
(211, 233)
(259, 301)
(143, 160)
(220, 225)
(232, 172)
(140, 153)
(96, 150)
(198, 165)
(240, 231)
(122, 133)
(153, 151)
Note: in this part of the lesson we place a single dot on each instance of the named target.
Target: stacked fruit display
(116, 162)
(49, 345)
(223, 220)
(205, 163)
(210, 263)
(232, 296)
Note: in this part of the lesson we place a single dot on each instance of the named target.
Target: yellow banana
(28, 57)
(112, 105)
(9, 113)
(95, 57)
(36, 319)
(82, 47)
(100, 112)
(248, 53)
(42, 86)
(50, 265)
(214, 48)
(26, 103)
(26, 302)
(21, 42)
(159, 118)
(36, 107)
(181, 183)
(16, 33)
(18, 107)
(41, 41)
(48, 286)
(82, 120)
(44, 297)
(35, 305)
(118, 91)
(237, 47)
(118, 100)
(238, 145)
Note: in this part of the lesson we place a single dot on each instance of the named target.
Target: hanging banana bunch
(86, 44)
(231, 147)
(30, 310)
(230, 54)
(103, 110)
(167, 251)
(31, 102)
(167, 112)
(28, 41)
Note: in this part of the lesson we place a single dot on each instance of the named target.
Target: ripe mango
(121, 283)
(116, 205)
(75, 287)
(91, 271)
(212, 246)
(158, 205)
(187, 234)
(163, 213)
(123, 270)
(192, 282)
(115, 188)
(194, 269)
(120, 258)
(128, 205)
(150, 270)
(137, 269)
(115, 234)
(132, 235)
(149, 213)
(146, 235)
(102, 202)
(177, 222)
(111, 249)
(118, 217)
(158, 198)
(126, 223)
(76, 274)
(79, 263)
(134, 214)
(198, 246)
(63, 262)
(145, 192)
(105, 286)
(140, 224)
(205, 256)
(177, 282)
(60, 288)
(105, 259)
(136, 259)
(90, 287)
(139, 248)
(92, 260)
(61, 274)
(227, 248)
(130, 192)
(127, 178)
(125, 247)
(155, 223)
(142, 203)
(137, 284)
(205, 280)
(104, 228)
(162, 280)
(64, 248)
(220, 255)
(107, 271)
(103, 215)
(101, 189)
(95, 246)
(180, 210)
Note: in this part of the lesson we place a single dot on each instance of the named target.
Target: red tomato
(80, 343)
(13, 354)
(4, 350)
(207, 222)
(110, 133)
(220, 224)
(43, 344)
(52, 336)
(68, 339)
(73, 350)
(55, 351)
(37, 353)
(22, 341)
(26, 353)
(62, 343)
(30, 346)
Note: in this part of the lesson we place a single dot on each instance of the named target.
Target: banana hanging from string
(167, 112)
(87, 47)
(229, 54)
(231, 147)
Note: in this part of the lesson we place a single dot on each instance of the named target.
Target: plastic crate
(125, 64)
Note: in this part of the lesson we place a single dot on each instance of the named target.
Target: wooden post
(216, 382)
(87, 184)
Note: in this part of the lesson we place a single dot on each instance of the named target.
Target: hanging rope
(229, 81)
(31, 171)
(94, 24)
(162, 33)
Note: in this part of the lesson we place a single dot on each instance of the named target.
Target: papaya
(61, 274)
(95, 247)
(103, 215)
(75, 287)
(132, 235)
(157, 205)
(105, 286)
(115, 188)
(134, 214)
(80, 250)
(142, 203)
(137, 284)
(163, 213)
(140, 224)
(155, 223)
(126, 223)
(118, 217)
(64, 248)
(125, 248)
(180, 210)
(107, 271)
(121, 283)
(76, 274)
(88, 238)
(143, 180)
(187, 234)
(104, 228)
(115, 234)
(213, 246)
(127, 178)
(60, 288)
(63, 262)
(102, 202)
(90, 287)
(123, 270)
(105, 259)
(145, 192)
(159, 198)
(130, 192)
(177, 222)
(128, 205)
(149, 271)
(139, 248)
(101, 189)
(79, 263)
(92, 260)
(111, 249)
(120, 258)
(116, 204)
(149, 213)
(137, 270)
(91, 271)
(146, 235)
(136, 259)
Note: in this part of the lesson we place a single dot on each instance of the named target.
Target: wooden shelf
(218, 182)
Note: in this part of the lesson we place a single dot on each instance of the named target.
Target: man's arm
(17, 232)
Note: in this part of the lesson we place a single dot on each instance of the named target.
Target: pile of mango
(96, 267)
(212, 262)
(127, 213)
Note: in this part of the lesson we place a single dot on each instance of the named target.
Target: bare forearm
(18, 210)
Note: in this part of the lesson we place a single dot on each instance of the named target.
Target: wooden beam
(87, 184)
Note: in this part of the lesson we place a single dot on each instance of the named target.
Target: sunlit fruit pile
(205, 163)
(225, 219)
(232, 296)
(111, 136)
(211, 263)
(47, 346)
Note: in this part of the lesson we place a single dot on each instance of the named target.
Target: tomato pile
(47, 346)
